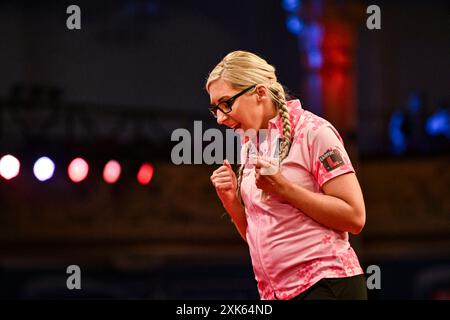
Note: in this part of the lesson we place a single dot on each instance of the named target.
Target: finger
(220, 171)
(222, 175)
(227, 163)
(224, 186)
(222, 180)
(262, 164)
(257, 165)
(222, 168)
(261, 179)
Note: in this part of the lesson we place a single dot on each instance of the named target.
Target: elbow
(358, 222)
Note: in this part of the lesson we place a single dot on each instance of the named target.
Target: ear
(262, 92)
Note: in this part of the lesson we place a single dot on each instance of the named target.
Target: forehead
(219, 89)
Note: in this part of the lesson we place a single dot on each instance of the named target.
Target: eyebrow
(225, 97)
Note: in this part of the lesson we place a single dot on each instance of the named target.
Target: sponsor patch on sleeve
(331, 159)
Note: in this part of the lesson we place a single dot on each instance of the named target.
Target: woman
(295, 219)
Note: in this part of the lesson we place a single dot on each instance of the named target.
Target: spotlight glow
(9, 167)
(111, 172)
(43, 169)
(145, 174)
(78, 170)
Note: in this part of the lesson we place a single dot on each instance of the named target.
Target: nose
(221, 117)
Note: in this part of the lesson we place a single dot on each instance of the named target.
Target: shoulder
(311, 126)
(317, 128)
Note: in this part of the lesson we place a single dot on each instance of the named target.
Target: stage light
(145, 174)
(43, 169)
(78, 170)
(111, 172)
(9, 167)
(294, 25)
(315, 58)
(414, 103)
(291, 5)
(438, 123)
(396, 135)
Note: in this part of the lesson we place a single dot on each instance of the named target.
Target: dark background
(117, 88)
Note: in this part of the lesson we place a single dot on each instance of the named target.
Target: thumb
(227, 163)
(262, 164)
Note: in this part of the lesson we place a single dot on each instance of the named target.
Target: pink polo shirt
(289, 250)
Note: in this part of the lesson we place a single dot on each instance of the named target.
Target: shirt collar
(275, 122)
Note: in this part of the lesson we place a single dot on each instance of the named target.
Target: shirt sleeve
(328, 155)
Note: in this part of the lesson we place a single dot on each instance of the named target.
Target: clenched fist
(225, 182)
(268, 178)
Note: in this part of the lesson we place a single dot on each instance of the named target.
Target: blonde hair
(242, 69)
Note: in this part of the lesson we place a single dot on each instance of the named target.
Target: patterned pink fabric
(289, 250)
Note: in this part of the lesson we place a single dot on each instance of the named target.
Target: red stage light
(145, 174)
(111, 172)
(78, 170)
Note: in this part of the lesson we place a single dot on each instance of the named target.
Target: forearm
(237, 213)
(328, 210)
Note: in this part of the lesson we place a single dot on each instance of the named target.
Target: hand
(225, 182)
(273, 183)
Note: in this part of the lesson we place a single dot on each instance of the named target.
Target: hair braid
(239, 181)
(278, 94)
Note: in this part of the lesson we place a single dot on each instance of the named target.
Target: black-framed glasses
(225, 106)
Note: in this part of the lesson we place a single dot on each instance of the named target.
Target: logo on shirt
(331, 159)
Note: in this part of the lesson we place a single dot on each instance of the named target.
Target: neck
(270, 111)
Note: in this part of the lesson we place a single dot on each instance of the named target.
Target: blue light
(290, 5)
(315, 58)
(438, 123)
(315, 33)
(311, 42)
(414, 102)
(396, 136)
(294, 25)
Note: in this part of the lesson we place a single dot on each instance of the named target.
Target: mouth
(237, 126)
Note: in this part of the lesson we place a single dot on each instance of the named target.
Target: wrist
(285, 189)
(234, 205)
